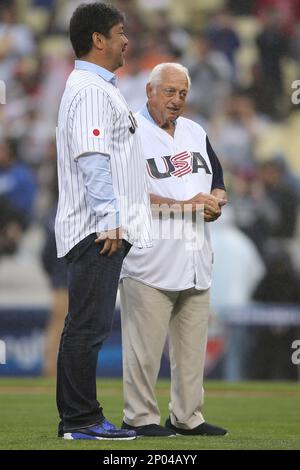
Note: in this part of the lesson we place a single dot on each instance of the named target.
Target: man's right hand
(112, 243)
(210, 203)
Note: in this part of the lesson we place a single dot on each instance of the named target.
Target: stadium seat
(57, 46)
(36, 19)
(247, 27)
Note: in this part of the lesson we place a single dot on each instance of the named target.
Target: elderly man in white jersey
(103, 209)
(166, 288)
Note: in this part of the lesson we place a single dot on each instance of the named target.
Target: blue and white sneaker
(103, 431)
(106, 424)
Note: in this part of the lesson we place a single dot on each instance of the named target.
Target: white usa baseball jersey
(94, 118)
(178, 167)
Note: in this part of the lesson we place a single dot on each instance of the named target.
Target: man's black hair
(88, 19)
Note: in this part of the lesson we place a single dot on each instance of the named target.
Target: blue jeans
(93, 284)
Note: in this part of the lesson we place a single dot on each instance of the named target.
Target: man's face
(115, 46)
(166, 99)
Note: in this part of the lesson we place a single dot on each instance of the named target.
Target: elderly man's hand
(212, 203)
(221, 195)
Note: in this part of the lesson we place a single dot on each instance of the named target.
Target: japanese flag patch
(97, 133)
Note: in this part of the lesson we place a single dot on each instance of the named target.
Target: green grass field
(258, 416)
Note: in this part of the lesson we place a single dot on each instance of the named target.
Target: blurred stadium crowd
(243, 57)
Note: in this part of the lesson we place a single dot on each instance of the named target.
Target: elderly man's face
(166, 99)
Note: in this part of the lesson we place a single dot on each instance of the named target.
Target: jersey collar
(91, 67)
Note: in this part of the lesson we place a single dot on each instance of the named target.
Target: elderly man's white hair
(156, 73)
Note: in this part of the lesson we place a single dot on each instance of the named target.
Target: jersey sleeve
(92, 123)
(217, 179)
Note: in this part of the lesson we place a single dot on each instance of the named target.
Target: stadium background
(243, 58)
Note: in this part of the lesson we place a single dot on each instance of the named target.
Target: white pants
(147, 315)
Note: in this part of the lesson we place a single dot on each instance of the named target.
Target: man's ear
(149, 90)
(98, 40)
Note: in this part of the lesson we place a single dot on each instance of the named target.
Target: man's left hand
(221, 196)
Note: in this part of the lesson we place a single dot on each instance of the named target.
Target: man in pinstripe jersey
(103, 209)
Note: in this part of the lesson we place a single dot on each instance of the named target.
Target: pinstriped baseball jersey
(94, 118)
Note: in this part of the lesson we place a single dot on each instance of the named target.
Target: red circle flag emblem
(96, 132)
